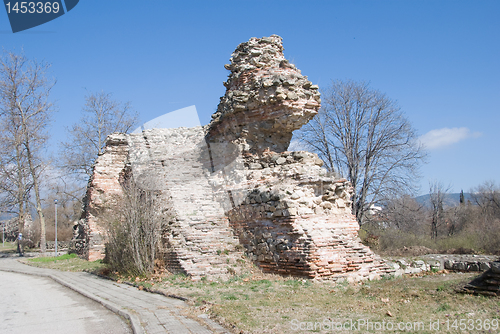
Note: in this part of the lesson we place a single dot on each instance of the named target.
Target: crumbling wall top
(266, 98)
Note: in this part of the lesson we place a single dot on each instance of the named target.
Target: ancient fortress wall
(232, 187)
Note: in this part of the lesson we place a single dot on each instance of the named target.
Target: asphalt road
(31, 304)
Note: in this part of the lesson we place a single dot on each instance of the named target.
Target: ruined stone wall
(102, 191)
(232, 186)
(488, 284)
(267, 98)
(11, 228)
(293, 219)
(196, 238)
(289, 215)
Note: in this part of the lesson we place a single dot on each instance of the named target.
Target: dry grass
(263, 303)
(270, 305)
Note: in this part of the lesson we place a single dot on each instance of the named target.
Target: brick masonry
(232, 187)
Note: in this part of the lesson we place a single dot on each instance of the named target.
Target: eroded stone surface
(488, 284)
(293, 219)
(437, 262)
(102, 191)
(232, 186)
(266, 99)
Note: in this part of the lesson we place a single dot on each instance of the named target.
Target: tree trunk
(43, 241)
(20, 243)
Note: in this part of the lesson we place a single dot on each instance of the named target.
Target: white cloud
(444, 137)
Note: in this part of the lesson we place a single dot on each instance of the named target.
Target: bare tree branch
(101, 116)
(437, 195)
(25, 113)
(364, 135)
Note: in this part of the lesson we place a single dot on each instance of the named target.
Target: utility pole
(55, 242)
(3, 234)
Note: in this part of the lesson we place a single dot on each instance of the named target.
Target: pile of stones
(487, 284)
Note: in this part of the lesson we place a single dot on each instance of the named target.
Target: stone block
(244, 188)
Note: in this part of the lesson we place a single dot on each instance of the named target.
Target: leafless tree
(405, 213)
(25, 112)
(486, 221)
(487, 197)
(135, 228)
(15, 181)
(68, 212)
(15, 185)
(437, 198)
(365, 136)
(101, 116)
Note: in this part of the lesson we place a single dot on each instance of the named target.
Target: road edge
(134, 321)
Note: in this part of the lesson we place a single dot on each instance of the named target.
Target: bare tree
(486, 221)
(15, 185)
(437, 197)
(101, 116)
(68, 212)
(135, 228)
(365, 136)
(25, 112)
(405, 213)
(15, 180)
(487, 197)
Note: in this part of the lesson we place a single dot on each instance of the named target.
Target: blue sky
(439, 59)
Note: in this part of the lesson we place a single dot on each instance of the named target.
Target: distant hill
(450, 200)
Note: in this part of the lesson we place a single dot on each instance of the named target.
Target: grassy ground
(65, 262)
(272, 304)
(8, 247)
(262, 303)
